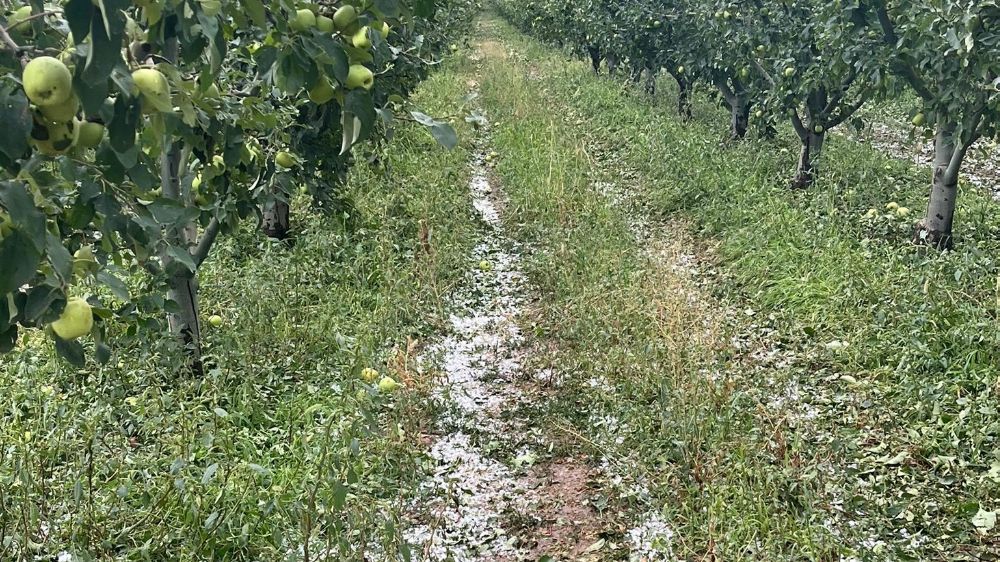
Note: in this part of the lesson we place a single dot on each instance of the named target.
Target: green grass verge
(280, 439)
(899, 438)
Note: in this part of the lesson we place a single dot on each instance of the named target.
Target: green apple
(323, 91)
(485, 265)
(345, 17)
(84, 262)
(285, 159)
(818, 129)
(758, 114)
(304, 189)
(76, 320)
(53, 139)
(154, 90)
(384, 30)
(47, 81)
(680, 69)
(369, 375)
(215, 320)
(789, 72)
(360, 39)
(902, 211)
(744, 73)
(919, 120)
(360, 77)
(726, 15)
(90, 134)
(892, 205)
(388, 384)
(303, 20)
(325, 24)
(18, 15)
(61, 111)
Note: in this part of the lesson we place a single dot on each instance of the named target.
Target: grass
(881, 448)
(280, 445)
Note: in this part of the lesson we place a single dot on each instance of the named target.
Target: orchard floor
(621, 337)
(647, 367)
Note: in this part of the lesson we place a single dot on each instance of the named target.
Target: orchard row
(812, 63)
(137, 133)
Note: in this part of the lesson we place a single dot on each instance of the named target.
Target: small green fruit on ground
(388, 384)
(303, 20)
(360, 39)
(215, 320)
(76, 320)
(345, 17)
(47, 81)
(325, 24)
(892, 205)
(903, 211)
(818, 129)
(369, 375)
(789, 72)
(919, 120)
(153, 89)
(485, 265)
(360, 77)
(285, 159)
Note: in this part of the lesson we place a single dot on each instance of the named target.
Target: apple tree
(136, 133)
(818, 67)
(948, 53)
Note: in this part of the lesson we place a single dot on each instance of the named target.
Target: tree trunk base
(276, 222)
(938, 239)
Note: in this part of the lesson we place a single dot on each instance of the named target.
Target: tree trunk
(683, 98)
(740, 121)
(612, 63)
(276, 222)
(650, 83)
(182, 284)
(812, 147)
(935, 228)
(595, 58)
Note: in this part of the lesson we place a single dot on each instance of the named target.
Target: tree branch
(846, 112)
(903, 65)
(762, 70)
(964, 144)
(208, 237)
(800, 129)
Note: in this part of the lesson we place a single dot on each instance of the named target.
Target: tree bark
(276, 222)
(612, 63)
(740, 121)
(595, 58)
(935, 229)
(812, 147)
(182, 284)
(683, 98)
(649, 85)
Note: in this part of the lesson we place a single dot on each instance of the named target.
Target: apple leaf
(16, 118)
